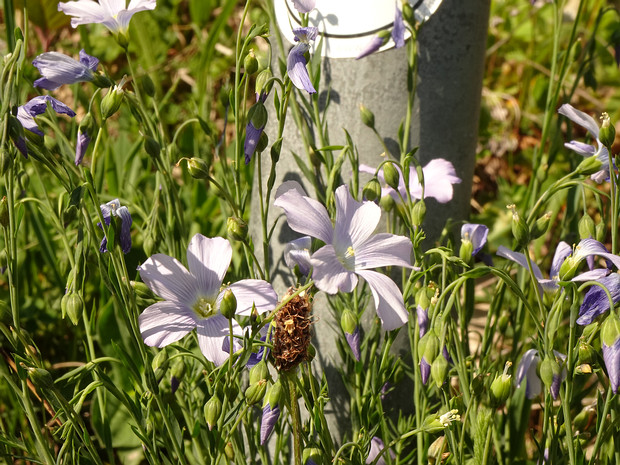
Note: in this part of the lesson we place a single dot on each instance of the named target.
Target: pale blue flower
(596, 302)
(476, 234)
(439, 177)
(114, 208)
(58, 69)
(113, 14)
(599, 150)
(35, 107)
(351, 249)
(192, 298)
(304, 6)
(296, 62)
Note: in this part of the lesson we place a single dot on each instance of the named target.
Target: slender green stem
(290, 387)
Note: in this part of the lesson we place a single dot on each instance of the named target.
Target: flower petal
(439, 176)
(252, 293)
(355, 221)
(296, 68)
(83, 140)
(89, 61)
(518, 258)
(595, 302)
(383, 250)
(562, 251)
(375, 44)
(587, 247)
(477, 234)
(208, 260)
(211, 334)
(398, 31)
(83, 12)
(125, 235)
(611, 356)
(303, 214)
(328, 273)
(582, 119)
(388, 299)
(581, 148)
(169, 279)
(297, 252)
(304, 6)
(268, 422)
(165, 322)
(527, 370)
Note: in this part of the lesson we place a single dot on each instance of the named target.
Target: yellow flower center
(204, 308)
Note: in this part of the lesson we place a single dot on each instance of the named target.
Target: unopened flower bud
(387, 203)
(141, 290)
(255, 392)
(502, 323)
(418, 213)
(274, 396)
(250, 63)
(102, 81)
(263, 142)
(607, 133)
(391, 175)
(408, 14)
(372, 190)
(439, 370)
(540, 227)
(367, 116)
(212, 411)
(258, 115)
(568, 269)
(259, 372)
(263, 81)
(428, 347)
(6, 160)
(311, 455)
(198, 168)
(588, 166)
(4, 212)
(146, 83)
(466, 250)
(586, 353)
(229, 451)
(72, 306)
(178, 369)
(520, 231)
(228, 306)
(40, 377)
(237, 228)
(550, 375)
(587, 228)
(152, 147)
(500, 387)
(348, 321)
(160, 361)
(113, 99)
(437, 448)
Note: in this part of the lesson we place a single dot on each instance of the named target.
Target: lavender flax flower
(257, 119)
(108, 210)
(599, 150)
(113, 14)
(192, 298)
(351, 249)
(565, 263)
(296, 61)
(297, 253)
(58, 69)
(35, 107)
(596, 302)
(439, 177)
(304, 6)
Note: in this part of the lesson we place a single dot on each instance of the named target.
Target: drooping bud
(152, 147)
(228, 306)
(437, 448)
(391, 175)
(212, 411)
(198, 168)
(258, 115)
(229, 451)
(40, 377)
(237, 228)
(520, 231)
(250, 63)
(500, 387)
(102, 81)
(259, 372)
(160, 361)
(540, 227)
(146, 83)
(311, 455)
(255, 392)
(607, 133)
(263, 81)
(587, 228)
(387, 203)
(439, 370)
(372, 190)
(586, 353)
(550, 374)
(466, 250)
(418, 213)
(367, 116)
(4, 212)
(72, 306)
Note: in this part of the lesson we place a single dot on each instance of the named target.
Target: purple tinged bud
(353, 339)
(174, 384)
(422, 319)
(114, 208)
(83, 139)
(610, 340)
(398, 32)
(425, 370)
(375, 44)
(268, 422)
(476, 234)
